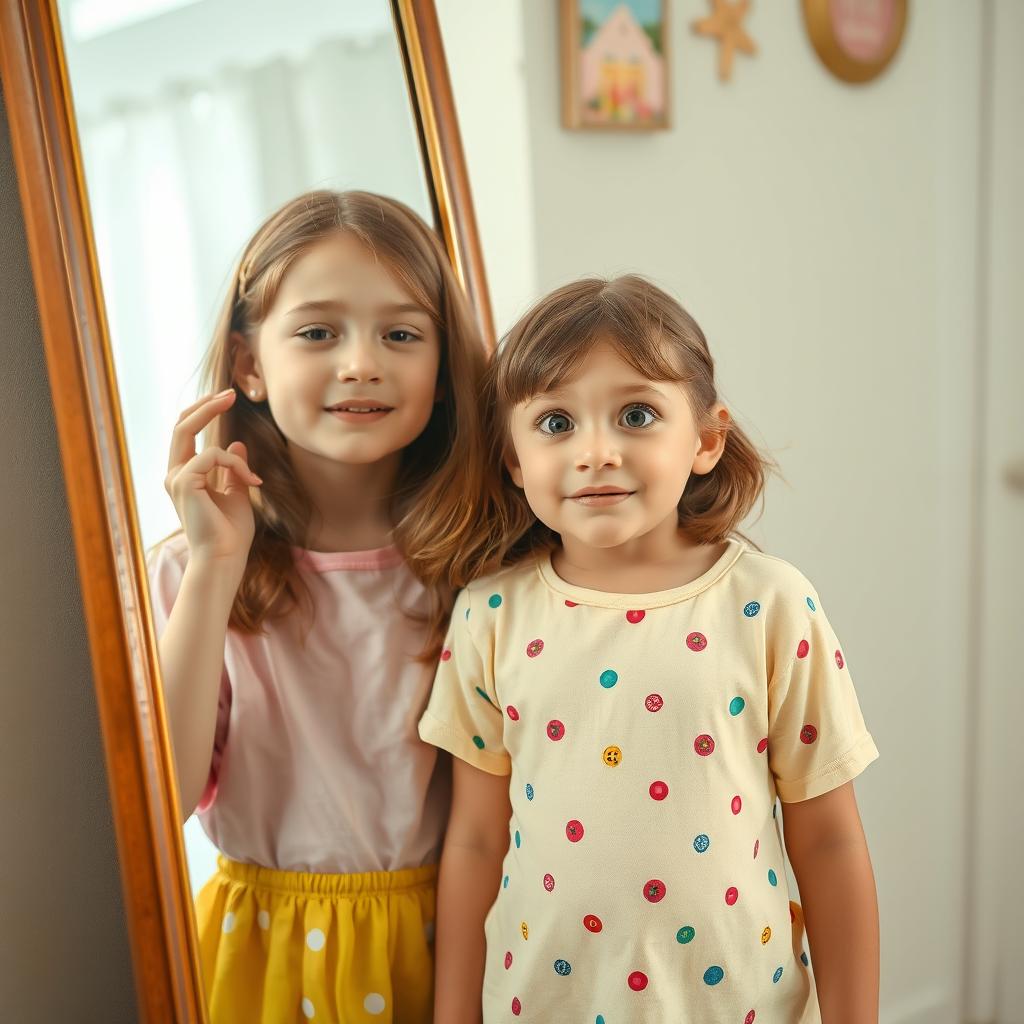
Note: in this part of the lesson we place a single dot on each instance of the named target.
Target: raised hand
(210, 489)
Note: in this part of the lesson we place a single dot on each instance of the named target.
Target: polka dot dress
(651, 740)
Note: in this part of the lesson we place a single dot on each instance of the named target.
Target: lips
(600, 496)
(359, 407)
(589, 492)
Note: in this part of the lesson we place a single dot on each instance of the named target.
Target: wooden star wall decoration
(726, 24)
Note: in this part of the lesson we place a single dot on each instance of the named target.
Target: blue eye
(553, 423)
(316, 334)
(638, 416)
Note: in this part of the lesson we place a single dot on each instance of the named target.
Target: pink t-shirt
(317, 764)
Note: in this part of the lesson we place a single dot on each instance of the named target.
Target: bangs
(550, 349)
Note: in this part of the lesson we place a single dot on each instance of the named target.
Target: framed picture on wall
(615, 64)
(856, 39)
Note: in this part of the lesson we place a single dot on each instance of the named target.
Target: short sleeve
(166, 566)
(817, 740)
(464, 715)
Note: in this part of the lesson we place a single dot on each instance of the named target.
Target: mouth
(359, 410)
(358, 406)
(600, 496)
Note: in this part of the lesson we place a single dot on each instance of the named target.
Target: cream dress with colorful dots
(647, 738)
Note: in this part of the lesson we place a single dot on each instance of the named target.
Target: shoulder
(777, 593)
(165, 564)
(168, 554)
(494, 588)
(774, 577)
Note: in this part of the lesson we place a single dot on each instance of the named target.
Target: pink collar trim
(328, 561)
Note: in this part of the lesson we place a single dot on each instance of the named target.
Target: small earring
(253, 392)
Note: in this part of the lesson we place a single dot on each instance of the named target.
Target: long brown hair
(432, 517)
(659, 339)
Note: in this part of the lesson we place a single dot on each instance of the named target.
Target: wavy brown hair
(432, 519)
(659, 339)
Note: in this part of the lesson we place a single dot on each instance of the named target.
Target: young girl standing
(636, 689)
(296, 604)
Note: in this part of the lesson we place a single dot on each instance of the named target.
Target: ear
(712, 441)
(511, 461)
(245, 369)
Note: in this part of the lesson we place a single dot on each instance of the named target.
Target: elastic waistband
(305, 883)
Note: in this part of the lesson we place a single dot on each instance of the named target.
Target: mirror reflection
(196, 120)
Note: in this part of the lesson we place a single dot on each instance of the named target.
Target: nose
(597, 452)
(358, 362)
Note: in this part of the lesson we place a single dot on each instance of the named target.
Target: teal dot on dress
(600, 1019)
(467, 614)
(811, 605)
(776, 976)
(751, 609)
(494, 600)
(701, 843)
(504, 882)
(713, 975)
(803, 959)
(772, 877)
(736, 705)
(478, 742)
(485, 697)
(529, 791)
(563, 968)
(685, 934)
(519, 839)
(609, 677)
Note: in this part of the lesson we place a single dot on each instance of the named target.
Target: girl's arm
(210, 491)
(826, 846)
(474, 847)
(191, 663)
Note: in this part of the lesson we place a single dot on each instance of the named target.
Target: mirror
(196, 120)
(151, 139)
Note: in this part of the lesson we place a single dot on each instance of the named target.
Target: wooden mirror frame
(147, 819)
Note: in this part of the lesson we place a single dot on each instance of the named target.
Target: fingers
(193, 420)
(233, 481)
(193, 475)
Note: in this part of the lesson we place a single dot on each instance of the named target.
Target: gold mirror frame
(838, 61)
(108, 549)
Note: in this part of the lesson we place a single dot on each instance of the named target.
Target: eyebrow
(332, 305)
(625, 389)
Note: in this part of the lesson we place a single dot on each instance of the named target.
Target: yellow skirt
(282, 946)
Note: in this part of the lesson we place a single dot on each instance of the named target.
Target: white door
(995, 950)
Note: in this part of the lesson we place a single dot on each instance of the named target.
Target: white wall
(824, 236)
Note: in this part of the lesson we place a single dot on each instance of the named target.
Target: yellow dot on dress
(315, 939)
